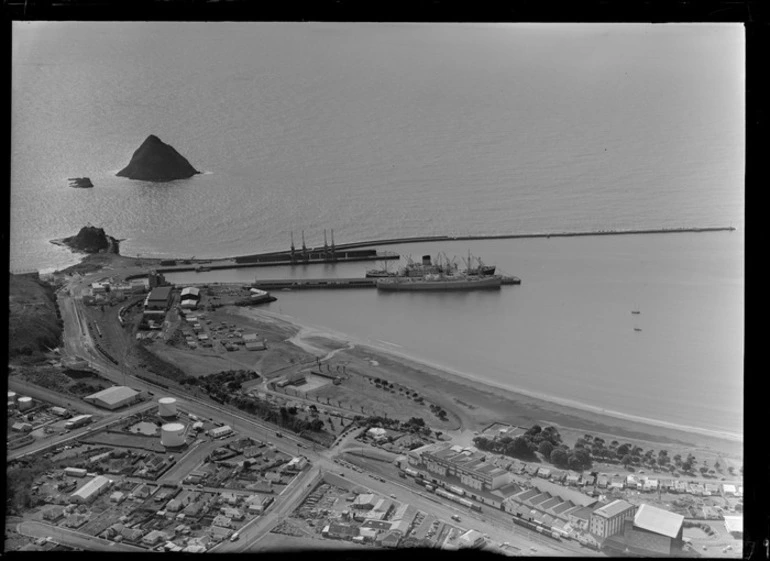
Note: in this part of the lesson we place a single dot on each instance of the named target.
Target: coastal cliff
(157, 161)
(34, 321)
(91, 239)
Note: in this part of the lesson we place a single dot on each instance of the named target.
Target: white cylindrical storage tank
(25, 403)
(11, 396)
(172, 434)
(167, 407)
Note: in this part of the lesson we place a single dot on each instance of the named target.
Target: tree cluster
(221, 384)
(283, 417)
(523, 447)
(439, 412)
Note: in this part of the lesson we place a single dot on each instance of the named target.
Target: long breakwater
(341, 252)
(422, 239)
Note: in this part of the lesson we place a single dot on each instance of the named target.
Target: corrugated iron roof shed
(658, 520)
(114, 394)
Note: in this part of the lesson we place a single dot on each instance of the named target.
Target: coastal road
(72, 538)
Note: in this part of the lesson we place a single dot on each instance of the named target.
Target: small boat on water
(635, 312)
(637, 328)
(380, 273)
(440, 283)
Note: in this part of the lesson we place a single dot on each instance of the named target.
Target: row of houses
(645, 484)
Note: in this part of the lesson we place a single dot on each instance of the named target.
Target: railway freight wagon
(535, 527)
(456, 490)
(459, 500)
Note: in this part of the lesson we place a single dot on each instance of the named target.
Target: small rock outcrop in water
(91, 239)
(155, 160)
(80, 182)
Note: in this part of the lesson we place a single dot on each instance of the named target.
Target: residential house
(390, 539)
(132, 534)
(364, 502)
(602, 481)
(232, 513)
(220, 532)
(174, 505)
(222, 521)
(53, 513)
(368, 534)
(154, 537)
(339, 531)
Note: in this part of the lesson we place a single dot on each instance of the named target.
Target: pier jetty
(336, 283)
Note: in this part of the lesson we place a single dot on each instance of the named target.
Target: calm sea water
(386, 130)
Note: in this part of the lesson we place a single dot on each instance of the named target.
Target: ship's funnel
(426, 260)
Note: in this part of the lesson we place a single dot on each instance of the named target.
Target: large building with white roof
(91, 490)
(114, 397)
(652, 532)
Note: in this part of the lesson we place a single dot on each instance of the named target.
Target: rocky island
(80, 182)
(157, 161)
(91, 239)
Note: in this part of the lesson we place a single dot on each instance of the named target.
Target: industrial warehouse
(114, 397)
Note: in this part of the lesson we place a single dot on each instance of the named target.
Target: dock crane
(305, 256)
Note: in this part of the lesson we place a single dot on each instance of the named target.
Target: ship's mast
(293, 251)
(334, 253)
(304, 248)
(326, 246)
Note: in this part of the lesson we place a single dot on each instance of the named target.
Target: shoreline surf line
(470, 378)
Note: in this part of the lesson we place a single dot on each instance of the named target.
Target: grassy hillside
(34, 322)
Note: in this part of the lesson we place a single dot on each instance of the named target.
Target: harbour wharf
(295, 284)
(299, 284)
(272, 260)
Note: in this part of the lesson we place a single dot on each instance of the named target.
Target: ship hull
(440, 286)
